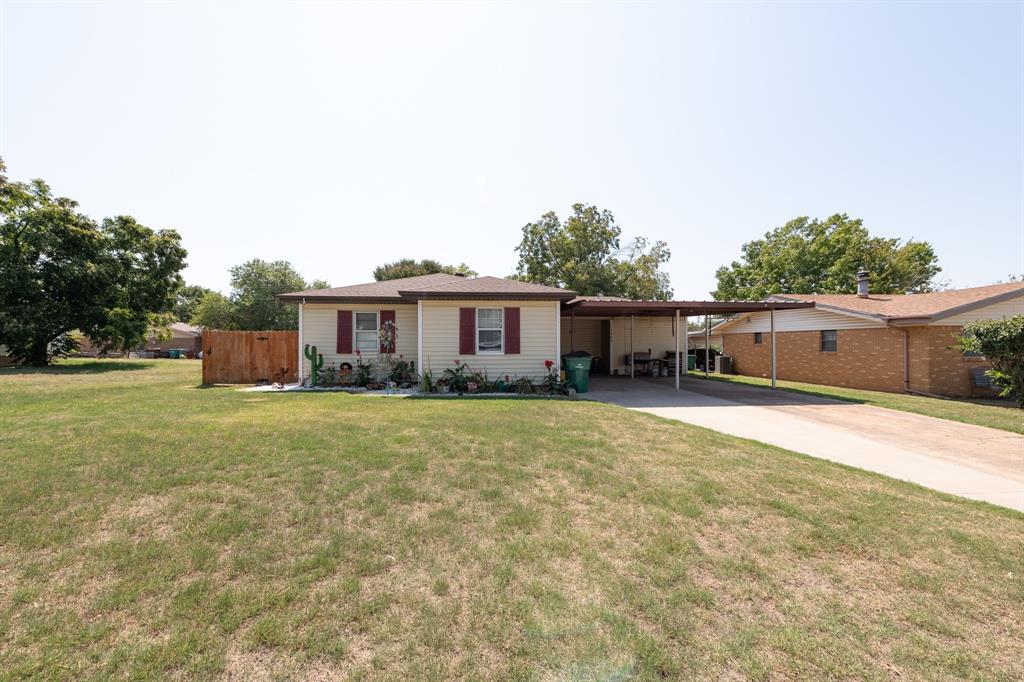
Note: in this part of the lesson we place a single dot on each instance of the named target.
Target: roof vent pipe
(863, 280)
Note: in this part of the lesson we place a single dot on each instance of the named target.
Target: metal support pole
(298, 372)
(772, 316)
(632, 357)
(686, 344)
(707, 345)
(678, 332)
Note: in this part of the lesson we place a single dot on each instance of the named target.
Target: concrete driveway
(970, 461)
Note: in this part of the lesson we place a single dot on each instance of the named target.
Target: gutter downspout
(906, 360)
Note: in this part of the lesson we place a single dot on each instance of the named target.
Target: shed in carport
(661, 318)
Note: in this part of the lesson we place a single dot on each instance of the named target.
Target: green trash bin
(691, 362)
(174, 353)
(577, 371)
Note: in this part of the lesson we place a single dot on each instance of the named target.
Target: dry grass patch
(163, 531)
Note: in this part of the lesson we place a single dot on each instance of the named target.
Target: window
(829, 340)
(367, 340)
(973, 354)
(758, 337)
(490, 323)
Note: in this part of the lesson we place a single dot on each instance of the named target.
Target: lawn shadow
(97, 367)
(804, 391)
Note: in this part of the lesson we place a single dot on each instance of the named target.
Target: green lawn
(996, 414)
(154, 529)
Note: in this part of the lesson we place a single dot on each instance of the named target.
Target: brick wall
(948, 369)
(865, 358)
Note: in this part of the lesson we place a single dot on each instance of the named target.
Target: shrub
(1002, 344)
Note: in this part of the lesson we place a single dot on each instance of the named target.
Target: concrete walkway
(971, 461)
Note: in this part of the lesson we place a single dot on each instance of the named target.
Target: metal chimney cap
(863, 274)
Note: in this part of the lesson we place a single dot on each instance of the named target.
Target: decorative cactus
(316, 361)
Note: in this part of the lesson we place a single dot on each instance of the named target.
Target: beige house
(499, 326)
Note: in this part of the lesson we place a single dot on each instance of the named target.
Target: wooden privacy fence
(249, 357)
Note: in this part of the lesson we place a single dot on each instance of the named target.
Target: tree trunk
(38, 356)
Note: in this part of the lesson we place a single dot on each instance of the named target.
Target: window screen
(367, 340)
(490, 324)
(829, 340)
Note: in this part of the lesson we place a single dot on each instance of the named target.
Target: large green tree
(187, 301)
(410, 267)
(60, 272)
(255, 285)
(585, 254)
(214, 311)
(808, 256)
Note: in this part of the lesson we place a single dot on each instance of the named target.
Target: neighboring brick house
(883, 342)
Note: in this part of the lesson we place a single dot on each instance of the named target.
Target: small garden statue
(316, 361)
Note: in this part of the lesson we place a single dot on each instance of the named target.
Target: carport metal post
(686, 344)
(707, 344)
(772, 317)
(632, 357)
(678, 332)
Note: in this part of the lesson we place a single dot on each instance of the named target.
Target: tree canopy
(187, 300)
(808, 256)
(585, 254)
(62, 272)
(253, 304)
(410, 267)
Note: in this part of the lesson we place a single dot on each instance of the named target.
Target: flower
(549, 363)
(358, 352)
(456, 362)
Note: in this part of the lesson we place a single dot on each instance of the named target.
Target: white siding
(996, 311)
(587, 335)
(652, 334)
(537, 338)
(320, 329)
(802, 320)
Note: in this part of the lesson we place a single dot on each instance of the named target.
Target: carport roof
(609, 306)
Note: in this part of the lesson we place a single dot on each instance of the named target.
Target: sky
(342, 136)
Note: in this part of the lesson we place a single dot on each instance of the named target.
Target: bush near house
(1002, 343)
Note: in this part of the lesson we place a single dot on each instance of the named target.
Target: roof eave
(394, 300)
(977, 304)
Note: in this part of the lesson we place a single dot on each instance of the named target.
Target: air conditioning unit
(723, 364)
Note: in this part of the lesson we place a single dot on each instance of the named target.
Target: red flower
(358, 352)
(456, 362)
(549, 363)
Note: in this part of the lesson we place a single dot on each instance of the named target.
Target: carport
(679, 312)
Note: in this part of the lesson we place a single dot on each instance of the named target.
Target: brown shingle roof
(388, 289)
(488, 287)
(433, 286)
(896, 306)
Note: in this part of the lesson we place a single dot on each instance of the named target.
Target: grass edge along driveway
(995, 414)
(153, 529)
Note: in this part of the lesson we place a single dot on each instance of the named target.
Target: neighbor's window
(829, 340)
(489, 330)
(973, 354)
(758, 337)
(367, 340)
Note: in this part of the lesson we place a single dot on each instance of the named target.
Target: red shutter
(344, 331)
(388, 316)
(511, 331)
(467, 331)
